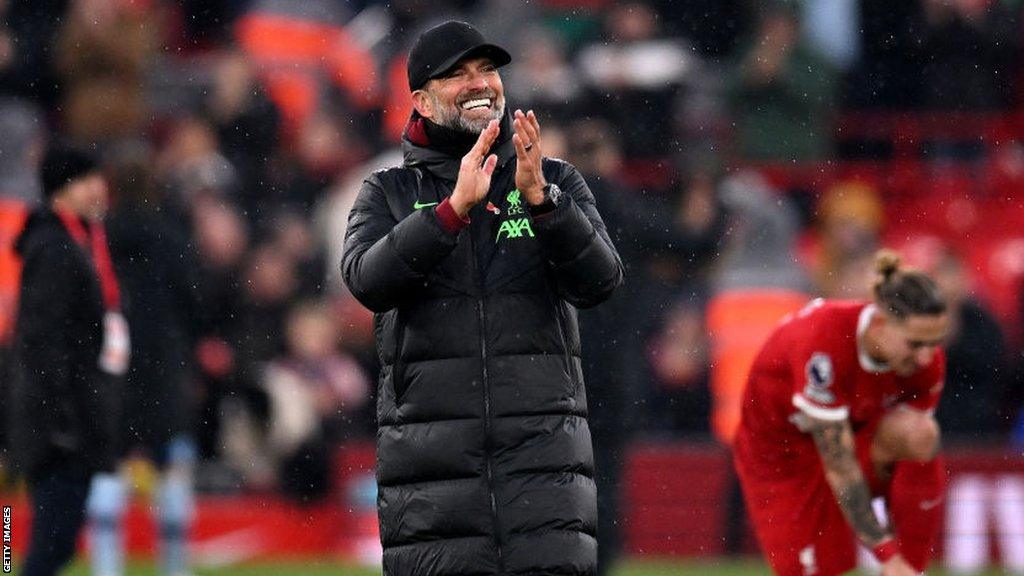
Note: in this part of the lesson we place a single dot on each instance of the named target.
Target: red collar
(95, 242)
(416, 131)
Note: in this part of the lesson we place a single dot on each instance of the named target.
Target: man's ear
(423, 104)
(879, 319)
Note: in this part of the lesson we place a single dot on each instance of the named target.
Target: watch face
(554, 193)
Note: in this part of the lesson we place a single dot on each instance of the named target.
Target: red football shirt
(812, 364)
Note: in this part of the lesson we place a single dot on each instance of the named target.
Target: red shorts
(798, 522)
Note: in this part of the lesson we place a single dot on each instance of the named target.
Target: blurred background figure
(849, 219)
(21, 150)
(71, 350)
(542, 78)
(967, 49)
(757, 282)
(782, 94)
(632, 77)
(317, 395)
(102, 50)
(662, 240)
(159, 281)
(973, 407)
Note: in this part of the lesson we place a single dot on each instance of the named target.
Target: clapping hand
(529, 174)
(475, 173)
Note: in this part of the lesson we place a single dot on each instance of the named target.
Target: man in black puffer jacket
(474, 255)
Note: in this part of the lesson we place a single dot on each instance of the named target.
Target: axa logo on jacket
(514, 227)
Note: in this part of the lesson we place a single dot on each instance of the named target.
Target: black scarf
(452, 142)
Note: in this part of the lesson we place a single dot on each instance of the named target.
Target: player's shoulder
(390, 176)
(827, 317)
(823, 334)
(392, 187)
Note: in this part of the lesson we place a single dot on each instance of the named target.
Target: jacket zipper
(487, 414)
(487, 439)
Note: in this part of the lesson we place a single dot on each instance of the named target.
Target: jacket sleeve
(586, 266)
(383, 259)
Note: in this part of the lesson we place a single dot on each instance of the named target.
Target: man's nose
(477, 81)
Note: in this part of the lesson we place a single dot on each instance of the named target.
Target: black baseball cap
(440, 48)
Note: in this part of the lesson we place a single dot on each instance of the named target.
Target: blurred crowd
(238, 133)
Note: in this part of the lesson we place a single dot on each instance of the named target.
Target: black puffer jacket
(484, 459)
(62, 408)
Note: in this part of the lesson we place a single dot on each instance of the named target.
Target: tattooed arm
(835, 445)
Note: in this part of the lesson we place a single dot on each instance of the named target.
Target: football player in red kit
(838, 411)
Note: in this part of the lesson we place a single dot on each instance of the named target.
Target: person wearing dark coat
(70, 349)
(158, 274)
(474, 256)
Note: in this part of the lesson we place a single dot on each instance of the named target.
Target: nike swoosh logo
(418, 205)
(929, 504)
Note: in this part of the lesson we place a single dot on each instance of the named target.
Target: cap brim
(497, 55)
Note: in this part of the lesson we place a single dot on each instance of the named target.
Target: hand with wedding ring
(529, 174)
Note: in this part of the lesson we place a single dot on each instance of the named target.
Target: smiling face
(467, 98)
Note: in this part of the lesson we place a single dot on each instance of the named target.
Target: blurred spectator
(159, 282)
(677, 350)
(632, 78)
(317, 394)
(254, 333)
(782, 94)
(756, 282)
(71, 348)
(556, 138)
(541, 78)
(27, 31)
(661, 250)
(270, 283)
(245, 121)
(7, 43)
(191, 164)
(221, 235)
(295, 237)
(20, 151)
(221, 239)
(23, 129)
(760, 251)
(937, 54)
(101, 52)
(977, 371)
(679, 358)
(850, 217)
(325, 149)
(303, 51)
(967, 48)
